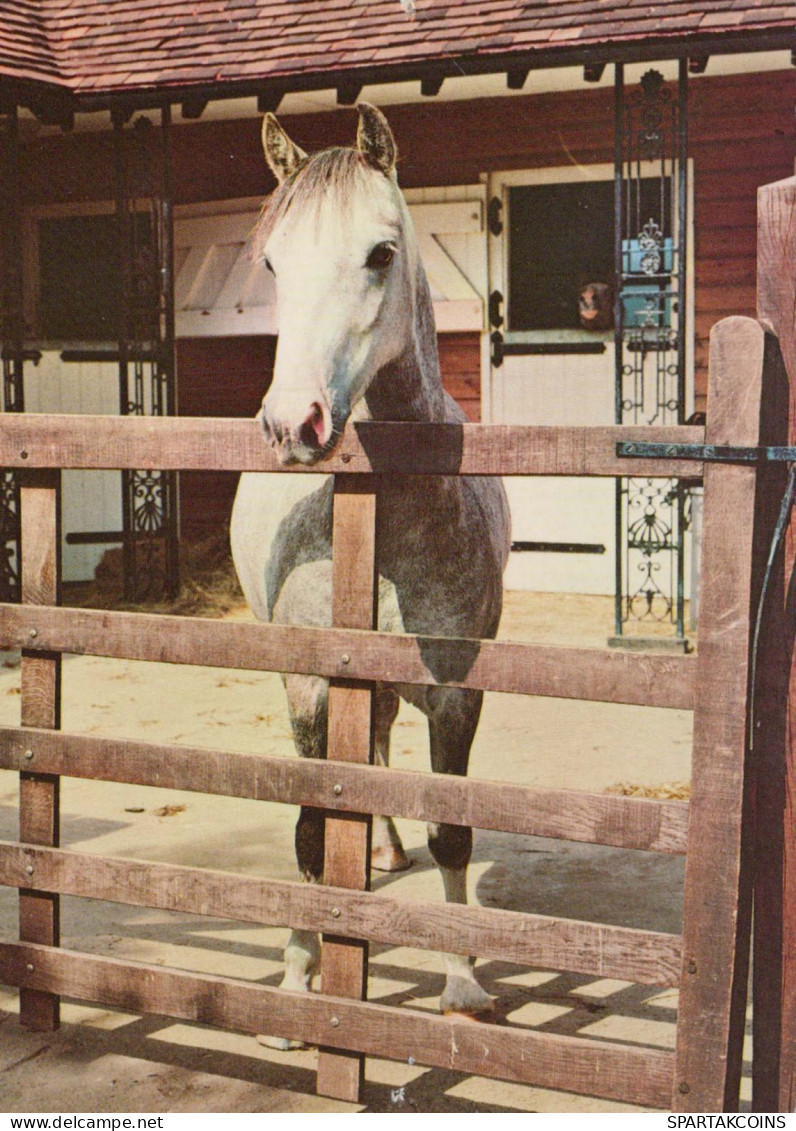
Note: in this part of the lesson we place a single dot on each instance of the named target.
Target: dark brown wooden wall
(218, 377)
(741, 136)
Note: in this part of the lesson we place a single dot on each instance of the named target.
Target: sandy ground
(107, 1061)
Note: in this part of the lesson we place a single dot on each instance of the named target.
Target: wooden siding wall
(741, 136)
(218, 377)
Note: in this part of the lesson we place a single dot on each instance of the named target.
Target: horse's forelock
(332, 176)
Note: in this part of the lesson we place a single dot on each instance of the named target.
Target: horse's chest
(430, 578)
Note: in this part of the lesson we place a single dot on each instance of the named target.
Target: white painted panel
(562, 510)
(220, 292)
(90, 500)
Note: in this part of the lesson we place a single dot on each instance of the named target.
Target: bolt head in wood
(335, 912)
(29, 869)
(345, 658)
(28, 754)
(34, 632)
(337, 790)
(683, 1088)
(29, 967)
(334, 1022)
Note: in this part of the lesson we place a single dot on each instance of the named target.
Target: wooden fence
(708, 961)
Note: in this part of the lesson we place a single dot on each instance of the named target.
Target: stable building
(582, 180)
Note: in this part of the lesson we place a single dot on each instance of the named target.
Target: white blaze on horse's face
(343, 259)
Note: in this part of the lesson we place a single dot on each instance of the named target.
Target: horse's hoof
(282, 1044)
(388, 858)
(465, 999)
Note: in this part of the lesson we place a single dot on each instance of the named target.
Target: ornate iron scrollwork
(146, 351)
(650, 340)
(12, 343)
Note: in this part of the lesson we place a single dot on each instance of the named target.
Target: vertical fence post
(41, 707)
(719, 865)
(347, 842)
(774, 1013)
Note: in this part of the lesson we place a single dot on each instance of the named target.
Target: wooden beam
(348, 91)
(600, 1068)
(39, 794)
(344, 960)
(593, 72)
(774, 1039)
(516, 76)
(268, 101)
(216, 444)
(193, 108)
(647, 957)
(698, 64)
(431, 85)
(655, 679)
(593, 818)
(717, 899)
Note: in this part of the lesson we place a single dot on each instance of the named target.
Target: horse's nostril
(312, 433)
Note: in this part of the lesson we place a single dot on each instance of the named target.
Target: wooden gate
(708, 961)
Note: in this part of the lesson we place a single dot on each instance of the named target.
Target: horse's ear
(374, 138)
(282, 154)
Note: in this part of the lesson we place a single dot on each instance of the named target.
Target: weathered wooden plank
(594, 818)
(774, 978)
(39, 794)
(646, 957)
(717, 900)
(599, 1068)
(210, 444)
(653, 680)
(347, 839)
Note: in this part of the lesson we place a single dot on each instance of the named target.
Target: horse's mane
(334, 175)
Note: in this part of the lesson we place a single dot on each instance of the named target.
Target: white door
(550, 234)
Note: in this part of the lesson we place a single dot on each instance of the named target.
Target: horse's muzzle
(306, 443)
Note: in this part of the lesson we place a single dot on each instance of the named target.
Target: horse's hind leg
(387, 854)
(308, 703)
(452, 720)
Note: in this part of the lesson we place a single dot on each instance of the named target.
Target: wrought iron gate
(146, 346)
(650, 234)
(12, 342)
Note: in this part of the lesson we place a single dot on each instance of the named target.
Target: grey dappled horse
(356, 342)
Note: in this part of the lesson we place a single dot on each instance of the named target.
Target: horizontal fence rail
(576, 1064)
(596, 818)
(647, 957)
(210, 444)
(528, 669)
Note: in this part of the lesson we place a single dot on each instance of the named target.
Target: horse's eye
(380, 257)
(268, 264)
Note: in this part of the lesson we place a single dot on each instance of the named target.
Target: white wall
(91, 500)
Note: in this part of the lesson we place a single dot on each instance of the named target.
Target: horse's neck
(410, 386)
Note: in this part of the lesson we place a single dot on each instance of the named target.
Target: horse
(357, 341)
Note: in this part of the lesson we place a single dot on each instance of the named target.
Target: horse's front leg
(387, 852)
(308, 703)
(452, 720)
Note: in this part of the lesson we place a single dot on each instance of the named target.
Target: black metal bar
(558, 547)
(683, 329)
(95, 537)
(619, 96)
(619, 93)
(101, 354)
(540, 349)
(709, 453)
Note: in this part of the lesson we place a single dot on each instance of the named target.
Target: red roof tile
(111, 46)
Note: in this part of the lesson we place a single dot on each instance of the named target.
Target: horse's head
(337, 236)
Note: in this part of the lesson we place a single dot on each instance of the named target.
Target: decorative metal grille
(146, 349)
(650, 329)
(12, 342)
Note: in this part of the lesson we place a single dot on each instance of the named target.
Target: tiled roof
(24, 46)
(106, 46)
